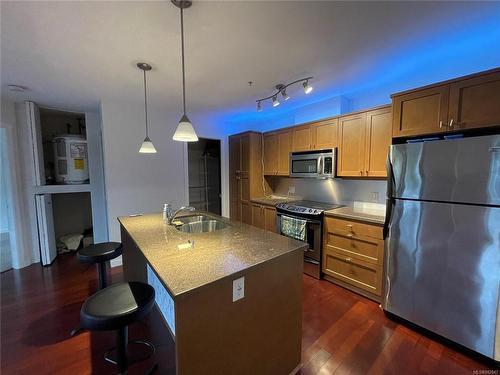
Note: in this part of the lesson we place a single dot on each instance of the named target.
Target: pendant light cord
(145, 104)
(183, 69)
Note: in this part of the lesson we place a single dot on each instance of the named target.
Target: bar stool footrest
(152, 350)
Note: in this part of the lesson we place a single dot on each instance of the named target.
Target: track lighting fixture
(307, 87)
(284, 95)
(281, 89)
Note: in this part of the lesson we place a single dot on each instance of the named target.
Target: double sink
(199, 223)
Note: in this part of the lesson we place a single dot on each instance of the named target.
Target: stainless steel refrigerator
(443, 239)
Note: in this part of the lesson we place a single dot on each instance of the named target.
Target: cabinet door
(301, 138)
(270, 219)
(378, 139)
(258, 219)
(234, 178)
(284, 148)
(324, 134)
(420, 112)
(475, 102)
(271, 151)
(351, 145)
(246, 213)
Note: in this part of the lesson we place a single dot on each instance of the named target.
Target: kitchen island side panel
(259, 334)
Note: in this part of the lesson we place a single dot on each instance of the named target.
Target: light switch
(238, 289)
(291, 190)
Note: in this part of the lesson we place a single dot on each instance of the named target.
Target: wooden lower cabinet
(258, 218)
(353, 255)
(246, 213)
(264, 217)
(270, 219)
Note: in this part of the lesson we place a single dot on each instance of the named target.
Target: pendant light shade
(185, 131)
(147, 146)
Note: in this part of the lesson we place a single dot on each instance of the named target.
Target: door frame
(224, 173)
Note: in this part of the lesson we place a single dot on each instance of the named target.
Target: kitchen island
(231, 298)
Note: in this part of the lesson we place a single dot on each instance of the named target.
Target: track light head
(285, 95)
(307, 87)
(275, 101)
(259, 106)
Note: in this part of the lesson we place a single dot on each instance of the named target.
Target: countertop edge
(358, 217)
(176, 296)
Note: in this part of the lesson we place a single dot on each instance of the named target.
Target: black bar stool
(100, 254)
(115, 308)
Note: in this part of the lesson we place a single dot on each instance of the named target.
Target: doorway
(204, 175)
(6, 230)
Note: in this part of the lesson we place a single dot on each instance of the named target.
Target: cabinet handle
(349, 225)
(348, 259)
(361, 173)
(366, 172)
(238, 177)
(441, 124)
(238, 171)
(349, 235)
(451, 123)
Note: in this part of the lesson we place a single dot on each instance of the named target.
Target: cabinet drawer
(353, 228)
(365, 249)
(355, 272)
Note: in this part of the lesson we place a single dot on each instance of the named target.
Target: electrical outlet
(291, 190)
(374, 196)
(238, 289)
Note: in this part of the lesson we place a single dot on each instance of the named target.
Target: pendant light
(147, 146)
(185, 130)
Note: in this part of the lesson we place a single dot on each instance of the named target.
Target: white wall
(142, 183)
(19, 227)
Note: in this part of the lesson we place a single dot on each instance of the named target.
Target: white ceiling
(71, 54)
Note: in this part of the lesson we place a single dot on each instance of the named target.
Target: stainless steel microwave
(313, 164)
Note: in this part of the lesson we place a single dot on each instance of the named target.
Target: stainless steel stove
(312, 213)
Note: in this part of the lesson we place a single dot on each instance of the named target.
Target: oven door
(312, 255)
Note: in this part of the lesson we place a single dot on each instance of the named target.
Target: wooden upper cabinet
(325, 134)
(420, 112)
(284, 149)
(271, 153)
(302, 138)
(351, 156)
(475, 102)
(378, 140)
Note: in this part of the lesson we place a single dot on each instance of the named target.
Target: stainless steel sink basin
(193, 218)
(201, 226)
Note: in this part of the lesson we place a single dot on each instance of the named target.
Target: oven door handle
(300, 218)
(319, 167)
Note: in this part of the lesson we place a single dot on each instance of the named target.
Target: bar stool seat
(115, 308)
(100, 252)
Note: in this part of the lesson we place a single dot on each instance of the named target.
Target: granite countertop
(355, 213)
(214, 255)
(271, 201)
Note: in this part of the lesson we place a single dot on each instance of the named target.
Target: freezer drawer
(443, 270)
(461, 170)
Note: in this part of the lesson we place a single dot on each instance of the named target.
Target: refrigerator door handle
(390, 200)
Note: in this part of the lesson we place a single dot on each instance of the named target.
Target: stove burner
(306, 207)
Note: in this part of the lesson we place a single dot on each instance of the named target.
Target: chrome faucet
(171, 215)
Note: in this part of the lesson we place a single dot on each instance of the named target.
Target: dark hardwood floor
(343, 333)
